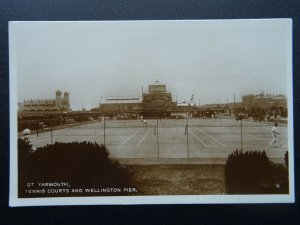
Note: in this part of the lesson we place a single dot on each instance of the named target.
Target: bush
(82, 165)
(286, 158)
(253, 173)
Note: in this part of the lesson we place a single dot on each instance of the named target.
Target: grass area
(179, 179)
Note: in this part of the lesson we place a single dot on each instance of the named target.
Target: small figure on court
(145, 123)
(275, 135)
(26, 134)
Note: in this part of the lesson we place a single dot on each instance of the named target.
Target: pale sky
(211, 59)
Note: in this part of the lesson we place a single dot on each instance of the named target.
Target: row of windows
(122, 99)
(156, 88)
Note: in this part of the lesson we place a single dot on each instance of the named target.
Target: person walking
(275, 135)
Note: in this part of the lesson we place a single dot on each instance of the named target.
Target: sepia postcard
(151, 112)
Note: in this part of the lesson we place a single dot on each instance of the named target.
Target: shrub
(82, 165)
(253, 173)
(24, 151)
(286, 158)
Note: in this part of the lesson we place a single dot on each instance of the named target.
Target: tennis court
(171, 138)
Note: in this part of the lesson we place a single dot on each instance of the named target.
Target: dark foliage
(253, 173)
(82, 165)
(24, 151)
(286, 158)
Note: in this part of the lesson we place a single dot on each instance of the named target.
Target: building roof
(270, 98)
(39, 102)
(262, 97)
(121, 100)
(157, 83)
(280, 98)
(186, 104)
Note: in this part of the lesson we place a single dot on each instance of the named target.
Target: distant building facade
(60, 103)
(264, 101)
(157, 102)
(265, 106)
(121, 104)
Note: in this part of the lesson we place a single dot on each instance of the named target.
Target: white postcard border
(128, 200)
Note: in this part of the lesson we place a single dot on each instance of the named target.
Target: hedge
(82, 165)
(253, 173)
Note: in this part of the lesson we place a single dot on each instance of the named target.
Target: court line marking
(197, 138)
(143, 138)
(120, 146)
(126, 140)
(93, 137)
(131, 147)
(41, 142)
(136, 146)
(256, 146)
(257, 138)
(211, 137)
(38, 139)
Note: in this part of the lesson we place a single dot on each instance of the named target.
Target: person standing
(275, 135)
(26, 134)
(145, 124)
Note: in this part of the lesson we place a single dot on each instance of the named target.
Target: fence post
(187, 135)
(104, 130)
(51, 136)
(157, 139)
(241, 134)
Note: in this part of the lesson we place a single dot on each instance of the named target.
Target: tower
(65, 101)
(157, 102)
(58, 100)
(157, 87)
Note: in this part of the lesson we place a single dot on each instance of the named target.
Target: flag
(192, 98)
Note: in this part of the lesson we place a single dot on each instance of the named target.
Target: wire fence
(168, 123)
(156, 135)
